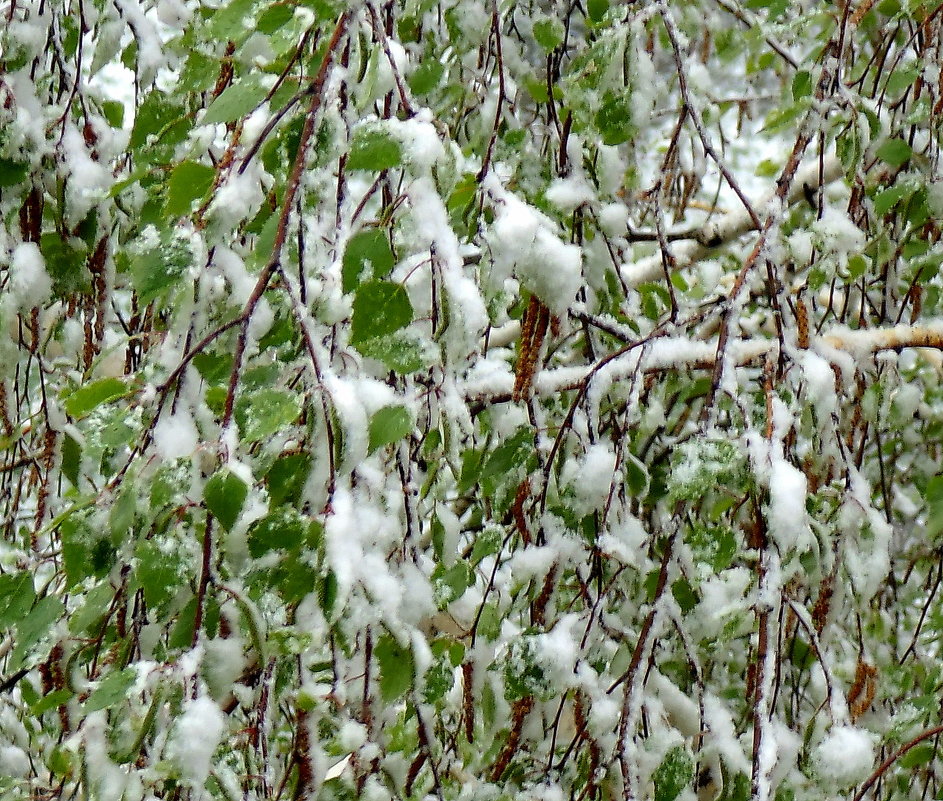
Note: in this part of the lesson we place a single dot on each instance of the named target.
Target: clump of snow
(175, 435)
(614, 219)
(787, 515)
(352, 735)
(14, 762)
(624, 541)
(30, 284)
(845, 756)
(591, 477)
(838, 235)
(524, 241)
(820, 383)
(568, 194)
(422, 146)
(196, 736)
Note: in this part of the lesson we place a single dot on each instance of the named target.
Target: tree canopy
(470, 399)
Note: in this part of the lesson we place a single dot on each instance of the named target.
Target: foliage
(470, 399)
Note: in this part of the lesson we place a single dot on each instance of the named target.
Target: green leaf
(597, 9)
(675, 772)
(65, 262)
(224, 495)
(90, 396)
(121, 517)
(156, 270)
(902, 78)
(397, 671)
(895, 152)
(86, 551)
(93, 610)
(918, 755)
(266, 411)
(34, 627)
(426, 77)
(282, 530)
(549, 33)
(934, 499)
(286, 478)
(380, 308)
(389, 425)
(112, 690)
(228, 21)
(374, 148)
(274, 17)
(399, 353)
(157, 573)
(51, 701)
(505, 460)
(886, 200)
(189, 181)
(16, 597)
(13, 172)
(684, 594)
(614, 119)
(236, 101)
(801, 85)
(450, 583)
(369, 251)
(71, 459)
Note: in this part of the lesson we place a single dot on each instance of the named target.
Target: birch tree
(470, 399)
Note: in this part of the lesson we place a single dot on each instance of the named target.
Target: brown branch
(883, 767)
(316, 89)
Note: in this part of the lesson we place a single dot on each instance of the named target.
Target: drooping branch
(683, 353)
(732, 226)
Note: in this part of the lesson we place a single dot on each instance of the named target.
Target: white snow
(845, 756)
(591, 477)
(838, 235)
(196, 735)
(524, 241)
(175, 435)
(787, 514)
(30, 284)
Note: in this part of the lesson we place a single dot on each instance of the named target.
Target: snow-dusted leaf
(236, 101)
(113, 689)
(397, 668)
(281, 530)
(380, 308)
(675, 772)
(389, 425)
(374, 148)
(399, 353)
(368, 252)
(224, 495)
(265, 411)
(189, 181)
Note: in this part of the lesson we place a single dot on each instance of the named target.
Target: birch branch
(732, 225)
(680, 353)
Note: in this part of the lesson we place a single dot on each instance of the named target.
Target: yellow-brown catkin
(916, 302)
(306, 780)
(517, 509)
(823, 603)
(860, 11)
(863, 689)
(527, 334)
(5, 410)
(468, 701)
(802, 324)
